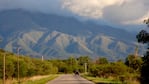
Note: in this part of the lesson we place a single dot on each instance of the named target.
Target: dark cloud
(117, 11)
(45, 6)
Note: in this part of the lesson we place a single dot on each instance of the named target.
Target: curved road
(69, 79)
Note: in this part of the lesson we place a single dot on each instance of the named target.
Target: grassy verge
(31, 80)
(98, 80)
(41, 81)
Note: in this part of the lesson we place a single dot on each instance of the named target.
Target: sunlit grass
(40, 81)
(109, 80)
(98, 80)
(31, 80)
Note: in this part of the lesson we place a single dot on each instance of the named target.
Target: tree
(102, 61)
(1, 64)
(72, 61)
(143, 37)
(134, 62)
(72, 64)
(107, 70)
(23, 68)
(10, 69)
(83, 59)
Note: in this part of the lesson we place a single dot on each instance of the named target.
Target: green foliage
(10, 69)
(102, 61)
(23, 68)
(1, 65)
(143, 37)
(134, 62)
(81, 63)
(94, 70)
(65, 66)
(83, 59)
(145, 69)
(31, 66)
(105, 70)
(71, 64)
(27, 66)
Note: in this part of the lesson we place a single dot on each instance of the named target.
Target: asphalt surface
(69, 79)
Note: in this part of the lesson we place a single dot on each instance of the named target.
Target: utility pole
(42, 58)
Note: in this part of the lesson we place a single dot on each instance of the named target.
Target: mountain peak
(57, 36)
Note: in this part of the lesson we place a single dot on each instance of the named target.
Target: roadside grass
(110, 80)
(40, 81)
(98, 80)
(32, 80)
(9, 81)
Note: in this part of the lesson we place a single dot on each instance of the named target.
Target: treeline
(27, 66)
(34, 66)
(120, 70)
(100, 67)
(72, 64)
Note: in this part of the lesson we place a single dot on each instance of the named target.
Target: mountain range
(55, 36)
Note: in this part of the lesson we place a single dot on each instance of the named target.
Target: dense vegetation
(27, 66)
(34, 66)
(100, 67)
(143, 37)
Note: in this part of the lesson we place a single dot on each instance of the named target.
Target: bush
(113, 69)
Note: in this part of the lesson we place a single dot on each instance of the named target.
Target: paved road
(69, 79)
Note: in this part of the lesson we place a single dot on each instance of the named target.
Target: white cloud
(116, 11)
(88, 8)
(127, 12)
(137, 21)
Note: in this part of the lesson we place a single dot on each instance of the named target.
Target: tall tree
(134, 62)
(143, 37)
(71, 64)
(83, 59)
(102, 61)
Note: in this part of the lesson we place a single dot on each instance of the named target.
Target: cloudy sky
(123, 12)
